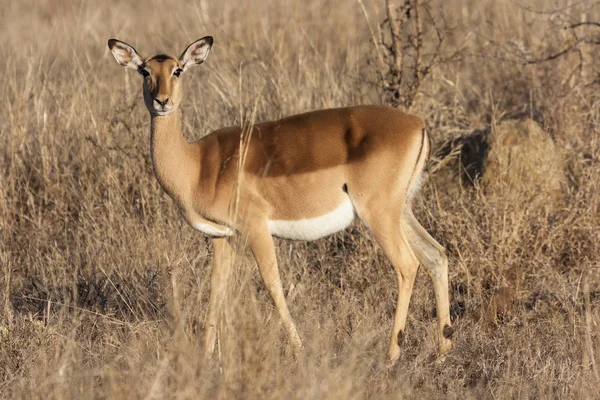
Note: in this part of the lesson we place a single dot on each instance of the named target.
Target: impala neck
(176, 162)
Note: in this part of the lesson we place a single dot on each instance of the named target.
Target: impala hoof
(391, 363)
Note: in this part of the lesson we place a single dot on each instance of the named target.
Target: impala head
(162, 73)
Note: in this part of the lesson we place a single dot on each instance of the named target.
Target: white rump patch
(314, 228)
(213, 229)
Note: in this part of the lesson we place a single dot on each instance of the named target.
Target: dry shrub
(515, 159)
(524, 162)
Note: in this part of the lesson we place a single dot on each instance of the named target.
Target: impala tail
(417, 178)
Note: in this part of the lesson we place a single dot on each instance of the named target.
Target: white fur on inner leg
(212, 229)
(416, 186)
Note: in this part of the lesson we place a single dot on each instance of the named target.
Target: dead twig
(407, 64)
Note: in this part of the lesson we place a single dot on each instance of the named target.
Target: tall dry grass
(104, 288)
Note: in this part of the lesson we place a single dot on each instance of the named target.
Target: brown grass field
(104, 288)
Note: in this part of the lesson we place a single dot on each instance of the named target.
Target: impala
(302, 177)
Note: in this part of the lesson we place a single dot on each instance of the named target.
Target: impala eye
(177, 72)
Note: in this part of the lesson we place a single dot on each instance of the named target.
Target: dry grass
(103, 288)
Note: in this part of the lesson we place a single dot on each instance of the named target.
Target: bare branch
(419, 42)
(577, 25)
(554, 56)
(405, 36)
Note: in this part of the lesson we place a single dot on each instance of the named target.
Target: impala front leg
(263, 248)
(222, 264)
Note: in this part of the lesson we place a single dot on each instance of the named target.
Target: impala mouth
(162, 110)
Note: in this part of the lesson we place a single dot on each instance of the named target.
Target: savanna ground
(103, 288)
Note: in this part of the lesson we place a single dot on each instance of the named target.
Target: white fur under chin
(314, 228)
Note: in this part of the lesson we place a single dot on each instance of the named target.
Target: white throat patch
(314, 228)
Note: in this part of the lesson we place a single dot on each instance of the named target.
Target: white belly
(314, 228)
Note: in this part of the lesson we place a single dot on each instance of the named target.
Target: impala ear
(196, 52)
(125, 54)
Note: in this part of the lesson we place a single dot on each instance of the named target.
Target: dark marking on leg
(345, 188)
(448, 331)
(400, 337)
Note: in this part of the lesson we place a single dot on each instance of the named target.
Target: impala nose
(163, 102)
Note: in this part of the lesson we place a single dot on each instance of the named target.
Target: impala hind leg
(263, 249)
(388, 233)
(433, 256)
(222, 264)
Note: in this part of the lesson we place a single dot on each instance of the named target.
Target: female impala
(302, 177)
